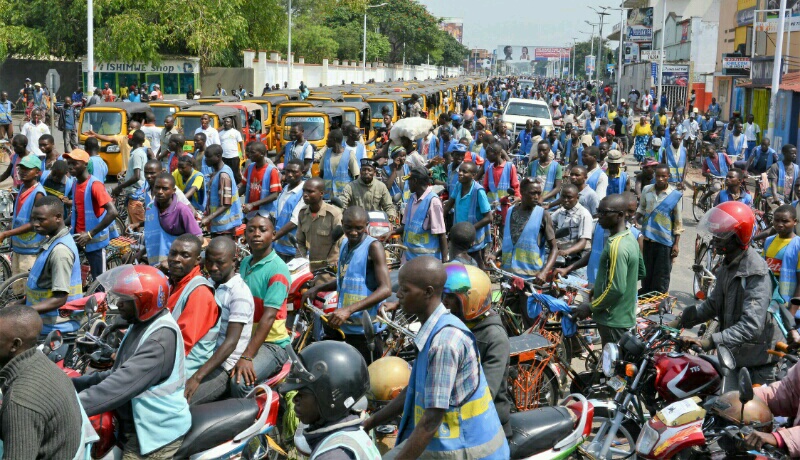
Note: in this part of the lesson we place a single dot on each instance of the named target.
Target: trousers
(658, 267)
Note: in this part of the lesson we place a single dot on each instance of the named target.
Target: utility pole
(777, 69)
(89, 48)
(622, 30)
(661, 58)
(591, 53)
(289, 50)
(364, 55)
(599, 64)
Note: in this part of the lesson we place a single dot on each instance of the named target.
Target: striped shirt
(453, 366)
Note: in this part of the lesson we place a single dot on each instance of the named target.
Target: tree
(411, 30)
(314, 42)
(453, 52)
(351, 42)
(583, 49)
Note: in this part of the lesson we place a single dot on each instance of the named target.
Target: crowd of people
(553, 199)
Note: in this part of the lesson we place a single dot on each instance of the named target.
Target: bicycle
(706, 262)
(702, 197)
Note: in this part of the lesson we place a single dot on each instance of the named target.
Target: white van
(518, 111)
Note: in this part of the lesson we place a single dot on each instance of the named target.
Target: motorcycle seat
(217, 422)
(539, 429)
(714, 362)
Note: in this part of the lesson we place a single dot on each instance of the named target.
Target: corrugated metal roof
(791, 82)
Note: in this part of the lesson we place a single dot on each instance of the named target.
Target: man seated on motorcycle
(235, 301)
(149, 362)
(783, 400)
(447, 378)
(224, 208)
(576, 221)
(262, 181)
(166, 219)
(192, 302)
(268, 278)
(468, 295)
(741, 296)
(40, 416)
(762, 157)
(25, 241)
(367, 192)
(715, 168)
(462, 238)
(362, 281)
(329, 379)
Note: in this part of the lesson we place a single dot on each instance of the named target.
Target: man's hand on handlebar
(696, 342)
(756, 440)
(584, 310)
(338, 317)
(309, 294)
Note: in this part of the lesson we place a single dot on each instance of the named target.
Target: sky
(524, 22)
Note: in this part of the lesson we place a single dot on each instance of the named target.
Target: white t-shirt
(304, 151)
(229, 139)
(285, 194)
(153, 134)
(212, 135)
(33, 133)
(415, 160)
(236, 305)
(751, 130)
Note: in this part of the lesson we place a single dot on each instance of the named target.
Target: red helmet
(732, 218)
(145, 285)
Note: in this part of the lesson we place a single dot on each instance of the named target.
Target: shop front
(175, 75)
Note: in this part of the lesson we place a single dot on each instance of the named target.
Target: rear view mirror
(745, 386)
(366, 323)
(726, 358)
(90, 306)
(53, 341)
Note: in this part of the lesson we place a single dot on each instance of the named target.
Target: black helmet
(334, 372)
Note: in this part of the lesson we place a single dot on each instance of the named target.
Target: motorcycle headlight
(378, 231)
(509, 125)
(610, 358)
(112, 148)
(647, 440)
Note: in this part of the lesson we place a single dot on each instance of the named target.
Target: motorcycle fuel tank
(680, 376)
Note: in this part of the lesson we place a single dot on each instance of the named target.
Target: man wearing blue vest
(617, 178)
(362, 281)
(524, 138)
(262, 181)
(395, 173)
(224, 212)
(501, 175)
(93, 212)
(674, 156)
(736, 145)
(25, 242)
(470, 204)
(290, 201)
(659, 216)
(596, 178)
(445, 379)
(146, 383)
(166, 218)
(298, 149)
(761, 158)
(353, 142)
(423, 228)
(337, 168)
(53, 281)
(191, 182)
(782, 176)
(733, 190)
(192, 302)
(715, 168)
(548, 171)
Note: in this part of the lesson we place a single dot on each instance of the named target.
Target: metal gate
(675, 95)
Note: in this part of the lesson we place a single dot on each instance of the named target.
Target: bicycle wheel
(697, 210)
(5, 272)
(532, 385)
(13, 289)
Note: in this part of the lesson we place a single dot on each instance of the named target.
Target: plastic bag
(412, 128)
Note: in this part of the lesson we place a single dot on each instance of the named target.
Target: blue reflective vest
(34, 294)
(524, 139)
(198, 199)
(787, 280)
(395, 189)
(358, 443)
(482, 236)
(156, 240)
(88, 436)
(283, 245)
(599, 239)
(782, 177)
(418, 241)
(265, 183)
(496, 192)
(471, 430)
(99, 168)
(617, 184)
(658, 224)
(757, 152)
(232, 218)
(676, 165)
(745, 198)
(550, 179)
(288, 154)
(101, 239)
(452, 178)
(204, 348)
(351, 281)
(161, 414)
(335, 181)
(739, 149)
(525, 257)
(26, 243)
(594, 178)
(722, 171)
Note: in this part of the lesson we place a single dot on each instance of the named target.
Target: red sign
(541, 53)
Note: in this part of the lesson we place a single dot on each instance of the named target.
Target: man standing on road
(6, 123)
(674, 156)
(212, 135)
(166, 133)
(133, 183)
(659, 216)
(752, 132)
(25, 242)
(33, 130)
(316, 227)
(67, 124)
(232, 147)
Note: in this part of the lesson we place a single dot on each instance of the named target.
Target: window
(105, 123)
(723, 91)
(313, 127)
(376, 107)
(527, 110)
(161, 113)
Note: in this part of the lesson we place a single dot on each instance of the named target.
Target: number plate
(616, 383)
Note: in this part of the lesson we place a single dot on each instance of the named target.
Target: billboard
(589, 64)
(677, 75)
(510, 53)
(736, 64)
(454, 27)
(631, 52)
(792, 23)
(640, 25)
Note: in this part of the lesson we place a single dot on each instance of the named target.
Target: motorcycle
(551, 432)
(649, 374)
(684, 429)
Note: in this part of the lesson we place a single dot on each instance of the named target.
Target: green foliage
(314, 42)
(583, 49)
(351, 42)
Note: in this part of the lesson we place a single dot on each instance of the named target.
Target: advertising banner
(454, 27)
(510, 53)
(792, 17)
(631, 52)
(640, 25)
(676, 75)
(545, 53)
(736, 65)
(651, 55)
(589, 64)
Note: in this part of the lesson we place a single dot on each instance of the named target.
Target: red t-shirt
(257, 177)
(199, 314)
(497, 171)
(100, 198)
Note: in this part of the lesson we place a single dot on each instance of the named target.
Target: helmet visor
(458, 280)
(717, 224)
(122, 280)
(299, 377)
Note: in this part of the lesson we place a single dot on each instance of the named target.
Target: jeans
(97, 262)
(213, 386)
(266, 363)
(610, 334)
(658, 267)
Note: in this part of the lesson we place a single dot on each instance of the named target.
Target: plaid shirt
(453, 365)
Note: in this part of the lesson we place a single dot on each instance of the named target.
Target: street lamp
(89, 47)
(602, 15)
(364, 67)
(591, 53)
(574, 54)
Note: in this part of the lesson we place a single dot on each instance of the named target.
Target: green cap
(31, 161)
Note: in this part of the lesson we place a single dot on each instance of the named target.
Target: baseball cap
(419, 173)
(649, 162)
(587, 139)
(78, 155)
(31, 161)
(459, 147)
(369, 162)
(27, 79)
(614, 157)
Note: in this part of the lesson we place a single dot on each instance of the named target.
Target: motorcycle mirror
(53, 341)
(745, 386)
(726, 358)
(337, 202)
(366, 322)
(90, 306)
(337, 233)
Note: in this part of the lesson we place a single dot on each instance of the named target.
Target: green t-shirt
(616, 284)
(268, 280)
(541, 171)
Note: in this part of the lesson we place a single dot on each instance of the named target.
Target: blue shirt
(69, 118)
(462, 205)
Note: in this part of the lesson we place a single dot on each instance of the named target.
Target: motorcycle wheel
(13, 289)
(626, 436)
